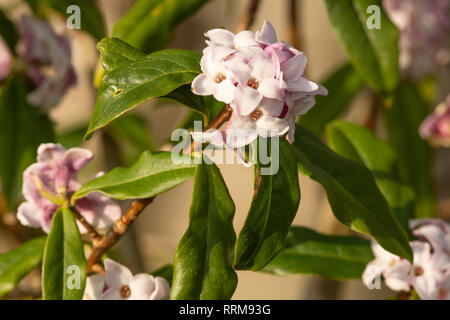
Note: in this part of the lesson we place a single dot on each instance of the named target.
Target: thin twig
(90, 229)
(249, 16)
(102, 244)
(293, 24)
(371, 120)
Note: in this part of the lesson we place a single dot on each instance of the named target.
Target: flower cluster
(429, 274)
(424, 26)
(49, 183)
(48, 58)
(120, 284)
(262, 81)
(436, 127)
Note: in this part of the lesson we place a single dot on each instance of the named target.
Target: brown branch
(102, 244)
(90, 229)
(293, 24)
(371, 120)
(248, 18)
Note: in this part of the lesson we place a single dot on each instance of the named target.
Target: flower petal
(245, 39)
(267, 34)
(246, 100)
(95, 285)
(50, 151)
(141, 287)
(270, 88)
(303, 85)
(221, 37)
(224, 91)
(203, 85)
(162, 289)
(263, 66)
(294, 68)
(77, 158)
(117, 275)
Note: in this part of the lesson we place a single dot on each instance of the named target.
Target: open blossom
(262, 81)
(120, 284)
(49, 62)
(429, 274)
(424, 26)
(51, 180)
(436, 127)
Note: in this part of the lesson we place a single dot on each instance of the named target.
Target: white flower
(120, 284)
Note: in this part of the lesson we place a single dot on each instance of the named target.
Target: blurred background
(153, 239)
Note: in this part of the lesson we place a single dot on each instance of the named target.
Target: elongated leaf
(342, 85)
(8, 32)
(271, 213)
(373, 52)
(352, 193)
(414, 154)
(203, 265)
(116, 53)
(360, 144)
(64, 265)
(90, 17)
(152, 174)
(16, 264)
(334, 257)
(165, 272)
(148, 23)
(22, 129)
(149, 77)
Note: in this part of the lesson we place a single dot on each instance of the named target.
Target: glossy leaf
(21, 144)
(271, 213)
(360, 144)
(116, 53)
(203, 265)
(334, 257)
(16, 264)
(149, 77)
(373, 52)
(148, 23)
(342, 85)
(414, 154)
(152, 174)
(90, 17)
(64, 265)
(352, 193)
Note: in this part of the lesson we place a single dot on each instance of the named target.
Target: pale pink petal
(76, 158)
(203, 85)
(371, 272)
(303, 85)
(95, 285)
(50, 151)
(245, 39)
(263, 67)
(112, 294)
(290, 137)
(435, 235)
(29, 215)
(240, 132)
(270, 126)
(141, 287)
(397, 277)
(212, 136)
(271, 107)
(221, 37)
(162, 289)
(224, 91)
(270, 88)
(246, 100)
(218, 52)
(294, 68)
(267, 34)
(117, 275)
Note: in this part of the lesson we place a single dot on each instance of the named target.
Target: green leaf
(116, 53)
(148, 23)
(360, 144)
(91, 18)
(373, 52)
(152, 76)
(272, 211)
(8, 32)
(352, 193)
(342, 85)
(22, 129)
(333, 257)
(414, 154)
(203, 265)
(165, 272)
(152, 174)
(16, 264)
(64, 265)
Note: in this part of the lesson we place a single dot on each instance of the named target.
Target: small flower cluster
(49, 183)
(424, 26)
(436, 127)
(429, 274)
(120, 284)
(262, 81)
(48, 62)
